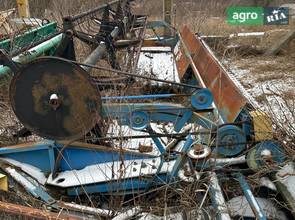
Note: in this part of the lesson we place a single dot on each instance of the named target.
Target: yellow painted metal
(3, 182)
(262, 125)
(23, 8)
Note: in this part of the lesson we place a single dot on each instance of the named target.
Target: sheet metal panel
(191, 51)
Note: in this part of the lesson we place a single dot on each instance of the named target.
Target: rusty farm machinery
(207, 128)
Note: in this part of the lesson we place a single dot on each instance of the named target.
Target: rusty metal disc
(55, 99)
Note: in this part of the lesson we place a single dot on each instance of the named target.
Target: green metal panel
(29, 37)
(34, 52)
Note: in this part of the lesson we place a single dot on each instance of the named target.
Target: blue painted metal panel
(126, 186)
(43, 156)
(78, 158)
(36, 155)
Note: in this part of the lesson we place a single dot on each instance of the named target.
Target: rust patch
(190, 50)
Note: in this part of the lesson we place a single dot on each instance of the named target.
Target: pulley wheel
(231, 140)
(55, 99)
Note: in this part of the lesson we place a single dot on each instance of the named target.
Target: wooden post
(23, 8)
(167, 15)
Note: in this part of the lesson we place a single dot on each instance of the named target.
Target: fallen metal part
(187, 174)
(174, 216)
(228, 161)
(266, 182)
(218, 201)
(29, 212)
(85, 209)
(285, 181)
(128, 214)
(184, 215)
(34, 172)
(225, 37)
(31, 187)
(247, 34)
(239, 207)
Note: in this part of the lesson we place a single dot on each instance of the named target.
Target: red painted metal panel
(190, 50)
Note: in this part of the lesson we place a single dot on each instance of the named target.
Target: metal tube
(34, 52)
(217, 198)
(92, 11)
(96, 55)
(250, 197)
(99, 52)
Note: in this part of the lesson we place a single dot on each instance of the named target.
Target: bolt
(54, 101)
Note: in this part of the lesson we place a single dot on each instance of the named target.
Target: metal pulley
(265, 153)
(139, 120)
(55, 99)
(199, 152)
(230, 140)
(202, 99)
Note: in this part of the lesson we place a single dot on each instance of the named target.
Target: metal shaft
(217, 198)
(99, 52)
(250, 197)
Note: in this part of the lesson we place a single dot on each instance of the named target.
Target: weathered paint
(73, 114)
(26, 39)
(192, 52)
(33, 53)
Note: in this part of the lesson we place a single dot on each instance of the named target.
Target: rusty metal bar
(33, 212)
(79, 17)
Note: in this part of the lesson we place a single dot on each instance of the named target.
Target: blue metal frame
(75, 156)
(257, 210)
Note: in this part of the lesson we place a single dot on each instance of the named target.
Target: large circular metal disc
(55, 99)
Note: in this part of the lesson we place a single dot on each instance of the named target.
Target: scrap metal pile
(206, 144)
